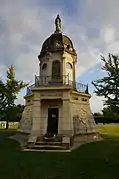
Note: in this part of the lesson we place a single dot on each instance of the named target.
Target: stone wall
(25, 124)
(83, 121)
(64, 60)
(48, 59)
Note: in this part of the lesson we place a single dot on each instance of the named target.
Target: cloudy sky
(92, 25)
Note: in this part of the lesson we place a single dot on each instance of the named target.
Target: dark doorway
(52, 121)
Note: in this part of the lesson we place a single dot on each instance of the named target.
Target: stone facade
(66, 64)
(55, 89)
(27, 119)
(75, 117)
(83, 121)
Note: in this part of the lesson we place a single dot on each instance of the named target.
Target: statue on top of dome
(58, 24)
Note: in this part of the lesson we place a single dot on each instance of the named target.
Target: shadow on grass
(97, 160)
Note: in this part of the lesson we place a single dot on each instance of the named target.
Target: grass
(109, 131)
(99, 160)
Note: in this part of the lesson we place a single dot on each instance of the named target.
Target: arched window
(44, 66)
(56, 69)
(69, 65)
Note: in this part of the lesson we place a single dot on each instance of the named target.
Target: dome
(57, 42)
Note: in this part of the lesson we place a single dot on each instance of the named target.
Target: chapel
(57, 113)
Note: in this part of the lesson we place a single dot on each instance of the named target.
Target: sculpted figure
(58, 24)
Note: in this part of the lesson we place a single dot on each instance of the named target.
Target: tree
(97, 114)
(2, 96)
(18, 112)
(107, 111)
(9, 91)
(15, 114)
(109, 85)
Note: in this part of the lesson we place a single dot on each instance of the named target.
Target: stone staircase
(47, 144)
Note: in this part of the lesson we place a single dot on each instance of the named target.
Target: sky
(92, 25)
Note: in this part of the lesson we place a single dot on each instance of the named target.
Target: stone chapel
(57, 112)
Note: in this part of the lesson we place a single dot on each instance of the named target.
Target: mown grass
(99, 160)
(109, 131)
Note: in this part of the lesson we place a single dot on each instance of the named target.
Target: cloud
(92, 25)
(96, 103)
(20, 100)
(2, 70)
(108, 33)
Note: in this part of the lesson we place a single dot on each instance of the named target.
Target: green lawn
(109, 131)
(99, 160)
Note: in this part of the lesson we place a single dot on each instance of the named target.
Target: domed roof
(57, 41)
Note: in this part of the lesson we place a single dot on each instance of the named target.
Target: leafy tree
(97, 114)
(109, 85)
(15, 114)
(19, 109)
(2, 96)
(107, 111)
(9, 91)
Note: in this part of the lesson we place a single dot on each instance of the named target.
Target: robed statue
(58, 24)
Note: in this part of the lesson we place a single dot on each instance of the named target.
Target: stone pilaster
(60, 119)
(36, 124)
(67, 124)
(43, 127)
(36, 116)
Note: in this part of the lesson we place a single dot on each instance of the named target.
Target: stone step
(45, 139)
(47, 143)
(52, 139)
(46, 147)
(45, 150)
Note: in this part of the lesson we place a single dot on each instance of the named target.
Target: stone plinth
(76, 124)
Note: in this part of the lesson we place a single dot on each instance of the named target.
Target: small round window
(69, 65)
(44, 66)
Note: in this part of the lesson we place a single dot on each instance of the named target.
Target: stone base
(60, 144)
(82, 139)
(20, 137)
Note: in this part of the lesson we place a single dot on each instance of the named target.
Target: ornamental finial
(58, 24)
